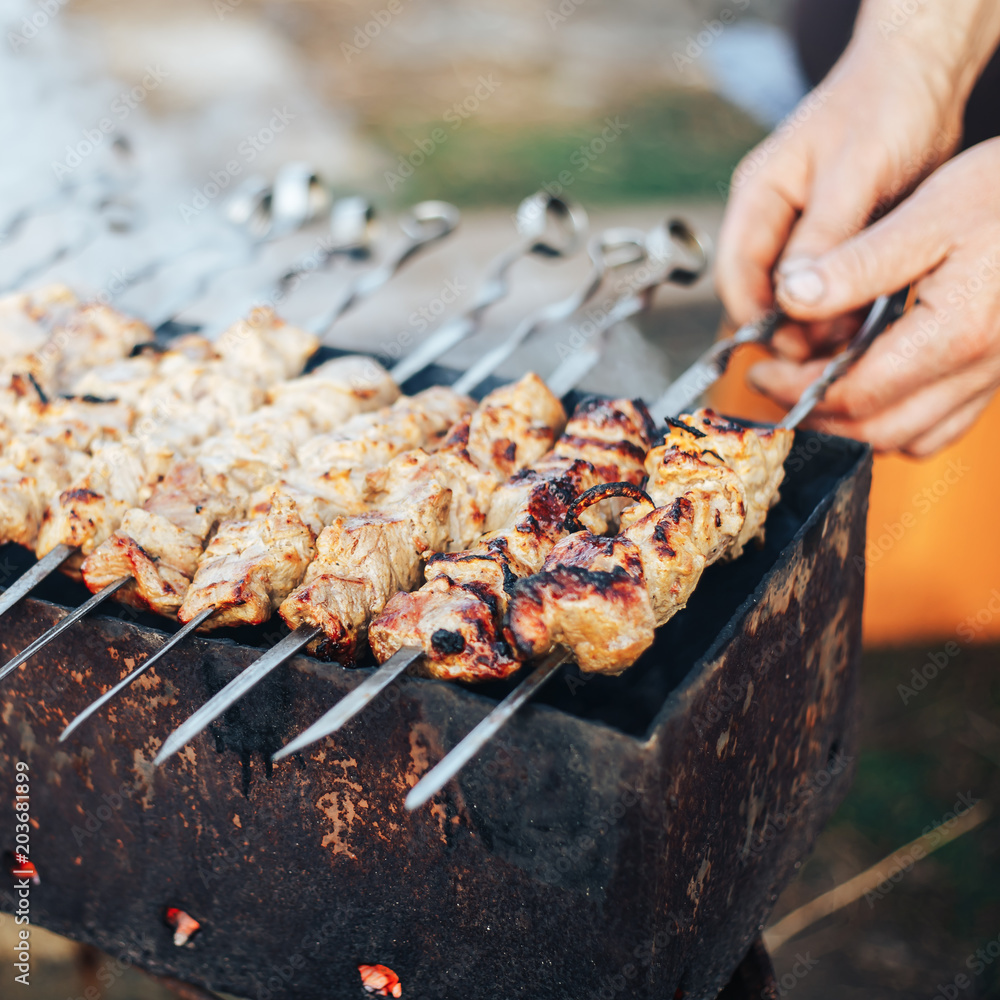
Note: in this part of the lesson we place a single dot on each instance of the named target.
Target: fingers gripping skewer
(534, 216)
(883, 313)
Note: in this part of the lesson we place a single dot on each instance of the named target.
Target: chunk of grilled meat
(86, 513)
(159, 544)
(456, 617)
(514, 426)
(212, 487)
(602, 598)
(437, 500)
(361, 562)
(159, 582)
(756, 455)
(249, 567)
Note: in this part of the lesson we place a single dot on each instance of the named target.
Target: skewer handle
(533, 215)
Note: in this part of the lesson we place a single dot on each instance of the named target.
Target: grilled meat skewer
(160, 544)
(456, 616)
(711, 485)
(423, 503)
(236, 579)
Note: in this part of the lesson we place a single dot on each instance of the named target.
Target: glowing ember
(380, 979)
(23, 868)
(184, 925)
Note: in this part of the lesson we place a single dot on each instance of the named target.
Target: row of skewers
(214, 483)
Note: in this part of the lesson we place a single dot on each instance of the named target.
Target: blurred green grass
(675, 144)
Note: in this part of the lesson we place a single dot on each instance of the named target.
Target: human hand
(880, 123)
(924, 382)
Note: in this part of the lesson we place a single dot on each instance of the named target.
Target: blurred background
(125, 129)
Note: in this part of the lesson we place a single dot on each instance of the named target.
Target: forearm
(951, 40)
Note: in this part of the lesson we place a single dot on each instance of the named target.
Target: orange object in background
(933, 549)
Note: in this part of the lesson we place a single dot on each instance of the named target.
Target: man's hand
(924, 381)
(888, 114)
(858, 144)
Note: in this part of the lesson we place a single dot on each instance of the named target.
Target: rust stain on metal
(603, 806)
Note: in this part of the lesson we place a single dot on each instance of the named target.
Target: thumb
(898, 249)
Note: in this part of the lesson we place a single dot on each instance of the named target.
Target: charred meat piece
(361, 562)
(756, 455)
(602, 598)
(249, 567)
(467, 592)
(160, 557)
(426, 503)
(515, 426)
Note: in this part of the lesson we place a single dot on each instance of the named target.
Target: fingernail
(803, 284)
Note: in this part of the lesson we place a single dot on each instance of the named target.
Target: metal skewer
(685, 390)
(75, 615)
(885, 311)
(533, 216)
(297, 198)
(666, 240)
(425, 224)
(613, 248)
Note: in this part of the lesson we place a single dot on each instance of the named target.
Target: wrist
(945, 43)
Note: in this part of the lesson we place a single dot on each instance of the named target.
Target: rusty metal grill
(627, 831)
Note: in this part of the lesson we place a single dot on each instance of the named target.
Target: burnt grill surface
(627, 835)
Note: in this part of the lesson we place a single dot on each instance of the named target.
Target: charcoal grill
(625, 836)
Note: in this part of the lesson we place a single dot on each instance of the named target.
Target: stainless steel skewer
(667, 241)
(292, 195)
(611, 249)
(532, 221)
(885, 311)
(533, 217)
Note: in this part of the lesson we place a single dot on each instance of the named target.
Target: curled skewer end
(604, 491)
